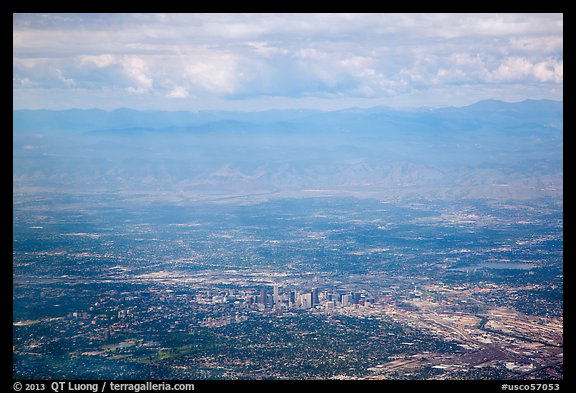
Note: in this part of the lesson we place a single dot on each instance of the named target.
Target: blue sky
(265, 61)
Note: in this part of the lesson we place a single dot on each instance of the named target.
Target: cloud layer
(201, 61)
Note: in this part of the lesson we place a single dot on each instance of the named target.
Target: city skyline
(281, 196)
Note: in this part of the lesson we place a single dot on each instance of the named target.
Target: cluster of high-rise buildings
(307, 299)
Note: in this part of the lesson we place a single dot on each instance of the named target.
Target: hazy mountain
(490, 149)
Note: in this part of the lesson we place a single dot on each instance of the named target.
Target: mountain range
(491, 149)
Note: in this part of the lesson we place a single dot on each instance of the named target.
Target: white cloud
(178, 92)
(219, 57)
(29, 63)
(67, 81)
(549, 71)
(311, 53)
(463, 59)
(546, 45)
(263, 49)
(519, 68)
(101, 61)
(215, 73)
(136, 69)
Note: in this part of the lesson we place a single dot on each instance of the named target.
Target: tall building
(315, 300)
(263, 296)
(346, 300)
(276, 294)
(306, 300)
(292, 298)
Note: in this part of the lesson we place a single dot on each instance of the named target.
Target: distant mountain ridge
(80, 119)
(490, 149)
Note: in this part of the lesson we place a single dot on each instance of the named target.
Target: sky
(253, 62)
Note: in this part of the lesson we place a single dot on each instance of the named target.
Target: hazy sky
(263, 61)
